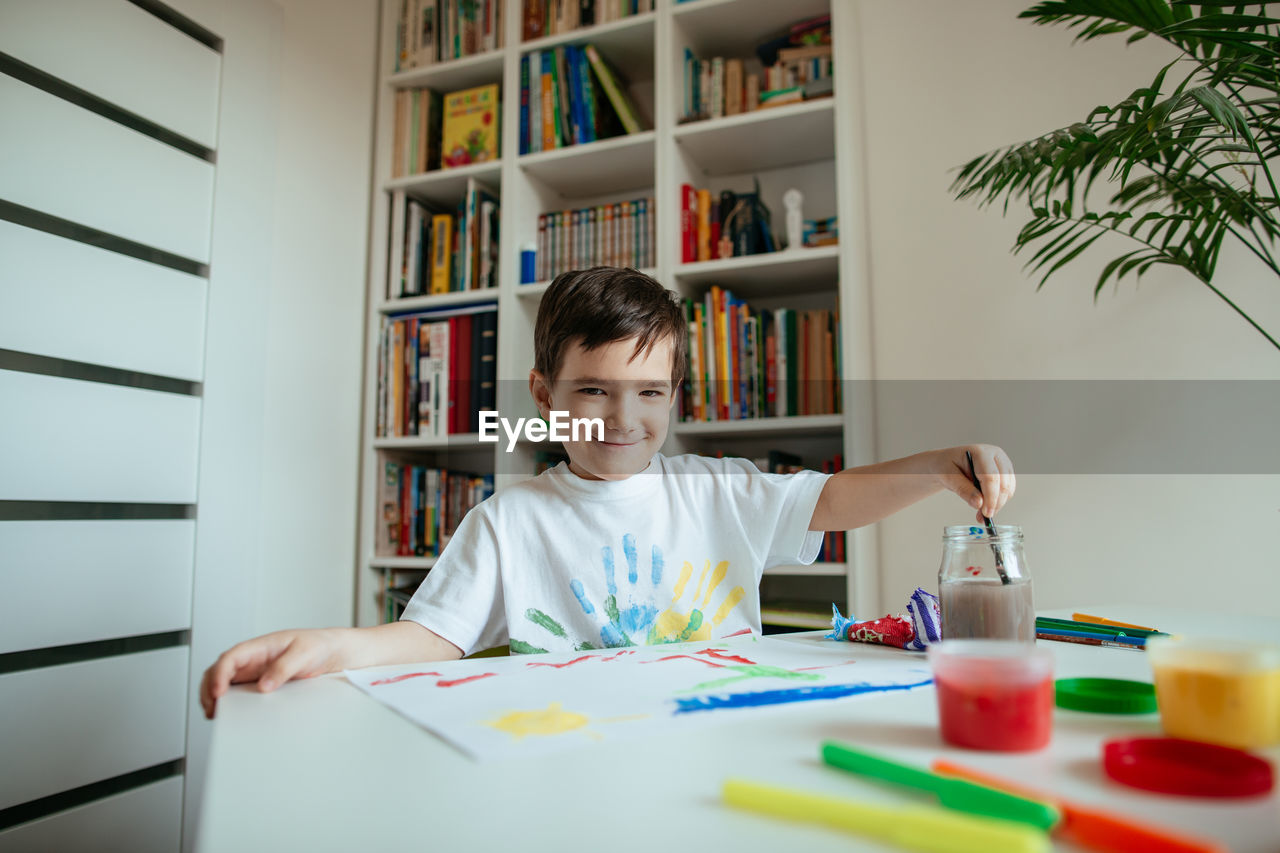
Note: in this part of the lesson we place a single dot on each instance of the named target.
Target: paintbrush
(991, 528)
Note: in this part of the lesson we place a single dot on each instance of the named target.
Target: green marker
(953, 793)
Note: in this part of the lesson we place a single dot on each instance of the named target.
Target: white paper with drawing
(525, 704)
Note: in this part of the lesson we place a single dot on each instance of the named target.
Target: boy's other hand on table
(993, 468)
(271, 660)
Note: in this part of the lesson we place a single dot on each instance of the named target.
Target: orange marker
(1098, 620)
(1094, 828)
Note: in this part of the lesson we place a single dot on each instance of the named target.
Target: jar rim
(977, 533)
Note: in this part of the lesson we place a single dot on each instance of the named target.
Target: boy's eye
(591, 392)
(651, 392)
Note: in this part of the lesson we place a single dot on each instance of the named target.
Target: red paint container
(993, 694)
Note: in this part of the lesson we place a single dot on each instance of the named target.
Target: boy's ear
(540, 388)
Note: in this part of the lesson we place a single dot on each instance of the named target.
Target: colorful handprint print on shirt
(633, 613)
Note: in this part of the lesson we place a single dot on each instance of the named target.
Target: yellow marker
(929, 829)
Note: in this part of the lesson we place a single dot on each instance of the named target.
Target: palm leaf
(1190, 161)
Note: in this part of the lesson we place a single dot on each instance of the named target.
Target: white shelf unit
(813, 146)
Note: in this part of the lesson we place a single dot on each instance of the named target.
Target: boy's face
(633, 396)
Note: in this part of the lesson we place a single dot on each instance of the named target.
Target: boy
(620, 545)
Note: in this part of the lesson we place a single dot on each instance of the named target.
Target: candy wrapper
(920, 626)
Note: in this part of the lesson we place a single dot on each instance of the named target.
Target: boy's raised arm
(859, 496)
(280, 656)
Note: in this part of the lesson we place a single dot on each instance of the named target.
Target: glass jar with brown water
(975, 599)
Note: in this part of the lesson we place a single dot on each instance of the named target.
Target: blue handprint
(636, 616)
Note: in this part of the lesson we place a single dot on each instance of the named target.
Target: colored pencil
(1090, 827)
(1098, 620)
(1093, 628)
(1093, 640)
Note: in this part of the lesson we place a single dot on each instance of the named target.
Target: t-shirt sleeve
(461, 597)
(775, 511)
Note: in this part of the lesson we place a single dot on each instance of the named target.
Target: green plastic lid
(1106, 695)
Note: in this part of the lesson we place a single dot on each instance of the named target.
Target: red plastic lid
(1187, 767)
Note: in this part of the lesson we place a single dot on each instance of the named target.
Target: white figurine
(792, 199)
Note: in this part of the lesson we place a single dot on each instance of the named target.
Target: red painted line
(619, 654)
(563, 665)
(718, 654)
(458, 681)
(737, 633)
(400, 678)
(690, 657)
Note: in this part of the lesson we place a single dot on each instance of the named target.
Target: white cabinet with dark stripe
(108, 151)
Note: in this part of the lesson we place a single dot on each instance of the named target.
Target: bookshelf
(813, 146)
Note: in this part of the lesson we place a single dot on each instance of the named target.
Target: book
(586, 92)
(532, 24)
(472, 409)
(425, 33)
(489, 243)
(470, 126)
(577, 133)
(487, 395)
(524, 104)
(387, 540)
(614, 88)
(441, 252)
(460, 381)
(535, 102)
(549, 101)
(717, 88)
(564, 124)
(733, 87)
(704, 225)
(779, 97)
(413, 240)
(395, 260)
(396, 397)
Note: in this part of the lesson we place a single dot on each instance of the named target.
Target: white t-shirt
(674, 553)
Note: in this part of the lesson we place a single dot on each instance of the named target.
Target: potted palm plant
(1186, 158)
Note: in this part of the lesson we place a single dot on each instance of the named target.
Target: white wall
(947, 81)
(276, 542)
(316, 313)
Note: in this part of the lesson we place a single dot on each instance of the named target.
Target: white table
(317, 765)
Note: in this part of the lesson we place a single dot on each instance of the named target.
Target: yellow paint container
(1219, 691)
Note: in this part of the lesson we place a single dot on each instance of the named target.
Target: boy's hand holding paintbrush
(859, 496)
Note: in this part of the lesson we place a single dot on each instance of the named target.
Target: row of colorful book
(430, 31)
(749, 363)
(569, 95)
(614, 235)
(733, 225)
(434, 250)
(433, 131)
(552, 17)
(420, 507)
(437, 370)
(718, 87)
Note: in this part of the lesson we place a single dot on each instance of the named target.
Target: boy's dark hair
(600, 305)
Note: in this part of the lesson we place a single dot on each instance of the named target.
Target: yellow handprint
(675, 625)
